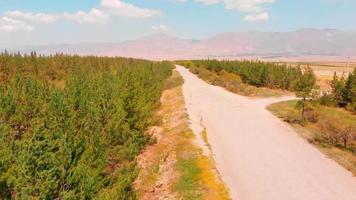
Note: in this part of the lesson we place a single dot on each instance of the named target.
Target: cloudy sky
(73, 21)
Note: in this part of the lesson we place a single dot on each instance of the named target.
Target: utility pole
(348, 64)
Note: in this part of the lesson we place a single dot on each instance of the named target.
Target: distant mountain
(304, 42)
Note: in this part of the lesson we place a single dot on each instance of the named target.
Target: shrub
(311, 115)
(335, 132)
(326, 100)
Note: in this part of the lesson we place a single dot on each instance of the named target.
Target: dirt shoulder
(175, 167)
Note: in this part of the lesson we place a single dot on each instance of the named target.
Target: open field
(254, 150)
(328, 68)
(324, 70)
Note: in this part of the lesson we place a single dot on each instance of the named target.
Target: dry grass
(174, 167)
(324, 82)
(214, 189)
(324, 70)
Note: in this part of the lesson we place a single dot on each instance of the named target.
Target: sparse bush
(328, 126)
(292, 118)
(326, 100)
(174, 81)
(311, 115)
(335, 132)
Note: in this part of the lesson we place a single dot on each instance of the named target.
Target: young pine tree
(337, 85)
(304, 87)
(349, 92)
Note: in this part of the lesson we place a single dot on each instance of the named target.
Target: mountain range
(253, 44)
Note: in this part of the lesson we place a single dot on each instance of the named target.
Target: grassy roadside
(174, 167)
(326, 128)
(233, 83)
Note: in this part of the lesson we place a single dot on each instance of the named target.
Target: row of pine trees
(257, 73)
(71, 127)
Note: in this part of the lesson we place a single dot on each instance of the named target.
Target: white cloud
(258, 17)
(209, 2)
(160, 27)
(95, 16)
(180, 1)
(11, 25)
(252, 8)
(122, 9)
(32, 17)
(99, 15)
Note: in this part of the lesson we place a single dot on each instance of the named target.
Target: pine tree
(337, 86)
(304, 87)
(349, 92)
(71, 127)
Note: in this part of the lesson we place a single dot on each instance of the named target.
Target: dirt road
(259, 156)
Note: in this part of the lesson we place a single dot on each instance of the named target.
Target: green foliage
(232, 82)
(349, 92)
(326, 99)
(343, 92)
(337, 86)
(71, 127)
(256, 73)
(305, 83)
(304, 87)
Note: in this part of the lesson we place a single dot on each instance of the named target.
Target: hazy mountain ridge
(304, 42)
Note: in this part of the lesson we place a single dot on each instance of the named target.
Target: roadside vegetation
(343, 92)
(249, 78)
(257, 73)
(327, 120)
(71, 127)
(175, 167)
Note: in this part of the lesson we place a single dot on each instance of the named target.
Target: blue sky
(73, 21)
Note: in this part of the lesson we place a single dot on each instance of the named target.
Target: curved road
(259, 156)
